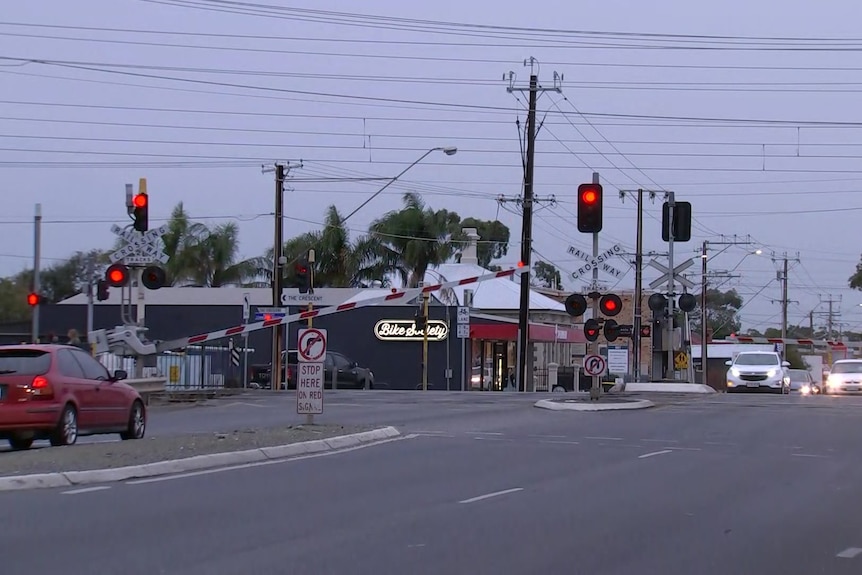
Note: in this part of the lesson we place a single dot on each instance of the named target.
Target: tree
(414, 238)
(493, 239)
(64, 279)
(855, 280)
(722, 313)
(339, 261)
(547, 275)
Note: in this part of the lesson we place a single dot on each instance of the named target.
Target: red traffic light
(117, 275)
(140, 200)
(589, 196)
(646, 331)
(591, 329)
(520, 264)
(33, 299)
(301, 269)
(610, 304)
(267, 317)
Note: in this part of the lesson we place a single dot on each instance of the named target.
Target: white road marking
(430, 432)
(261, 463)
(490, 495)
(86, 490)
(661, 440)
(560, 442)
(492, 439)
(807, 455)
(850, 553)
(605, 438)
(548, 436)
(654, 453)
(685, 448)
(482, 433)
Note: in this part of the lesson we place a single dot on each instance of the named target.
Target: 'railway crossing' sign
(140, 249)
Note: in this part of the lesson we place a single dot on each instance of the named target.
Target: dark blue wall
(395, 363)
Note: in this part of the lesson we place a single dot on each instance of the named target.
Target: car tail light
(41, 388)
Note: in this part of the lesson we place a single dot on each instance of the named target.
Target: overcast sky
(196, 95)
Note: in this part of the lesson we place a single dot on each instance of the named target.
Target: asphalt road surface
(726, 484)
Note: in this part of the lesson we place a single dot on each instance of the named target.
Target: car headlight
(805, 388)
(734, 371)
(771, 373)
(832, 381)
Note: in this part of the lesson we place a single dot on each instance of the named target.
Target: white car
(756, 371)
(845, 377)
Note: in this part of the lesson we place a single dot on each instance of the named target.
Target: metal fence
(197, 367)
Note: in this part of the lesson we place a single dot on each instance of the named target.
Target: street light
(448, 150)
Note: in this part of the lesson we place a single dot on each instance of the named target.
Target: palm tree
(414, 238)
(339, 261)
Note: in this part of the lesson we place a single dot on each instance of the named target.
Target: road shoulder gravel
(116, 461)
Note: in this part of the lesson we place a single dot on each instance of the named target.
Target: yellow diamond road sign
(680, 360)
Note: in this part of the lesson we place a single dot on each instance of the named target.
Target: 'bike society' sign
(405, 330)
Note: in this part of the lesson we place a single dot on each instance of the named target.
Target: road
(725, 484)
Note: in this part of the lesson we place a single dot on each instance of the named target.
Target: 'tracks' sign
(405, 330)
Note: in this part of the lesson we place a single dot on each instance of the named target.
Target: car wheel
(66, 432)
(18, 443)
(137, 422)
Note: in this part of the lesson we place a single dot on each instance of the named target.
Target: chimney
(470, 254)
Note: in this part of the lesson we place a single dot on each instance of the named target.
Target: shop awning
(538, 332)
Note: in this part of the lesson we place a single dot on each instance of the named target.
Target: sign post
(595, 365)
(246, 316)
(463, 327)
(311, 346)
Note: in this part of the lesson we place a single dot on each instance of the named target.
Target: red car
(58, 392)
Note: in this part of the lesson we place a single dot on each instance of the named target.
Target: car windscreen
(756, 359)
(798, 375)
(24, 361)
(849, 367)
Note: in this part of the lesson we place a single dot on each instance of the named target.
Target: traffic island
(605, 403)
(88, 463)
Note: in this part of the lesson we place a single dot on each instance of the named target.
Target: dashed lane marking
(606, 438)
(850, 553)
(86, 490)
(490, 495)
(654, 453)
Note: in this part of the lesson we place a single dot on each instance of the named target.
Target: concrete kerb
(597, 406)
(196, 463)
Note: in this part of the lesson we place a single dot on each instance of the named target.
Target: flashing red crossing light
(140, 211)
(33, 299)
(267, 316)
(646, 331)
(117, 275)
(591, 329)
(303, 276)
(610, 304)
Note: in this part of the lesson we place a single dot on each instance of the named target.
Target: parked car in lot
(845, 376)
(758, 371)
(346, 373)
(60, 392)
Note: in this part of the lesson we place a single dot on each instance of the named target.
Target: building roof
(495, 294)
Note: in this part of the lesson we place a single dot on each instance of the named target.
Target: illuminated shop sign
(405, 330)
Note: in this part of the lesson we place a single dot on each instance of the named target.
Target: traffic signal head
(589, 208)
(681, 222)
(612, 330)
(610, 304)
(33, 299)
(591, 329)
(419, 321)
(657, 302)
(576, 305)
(153, 277)
(117, 275)
(140, 211)
(101, 290)
(303, 276)
(687, 302)
(646, 331)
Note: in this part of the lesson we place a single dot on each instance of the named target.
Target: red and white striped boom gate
(402, 295)
(804, 342)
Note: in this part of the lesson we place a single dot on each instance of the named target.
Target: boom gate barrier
(405, 294)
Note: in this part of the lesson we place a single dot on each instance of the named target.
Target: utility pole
(91, 271)
(37, 261)
(783, 278)
(704, 287)
(830, 316)
(527, 221)
(278, 263)
(637, 321)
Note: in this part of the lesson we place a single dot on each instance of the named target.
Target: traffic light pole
(638, 315)
(37, 261)
(670, 282)
(91, 287)
(596, 388)
(425, 300)
(277, 275)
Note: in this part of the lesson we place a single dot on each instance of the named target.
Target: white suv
(756, 370)
(845, 376)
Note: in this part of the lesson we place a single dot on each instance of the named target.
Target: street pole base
(594, 393)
